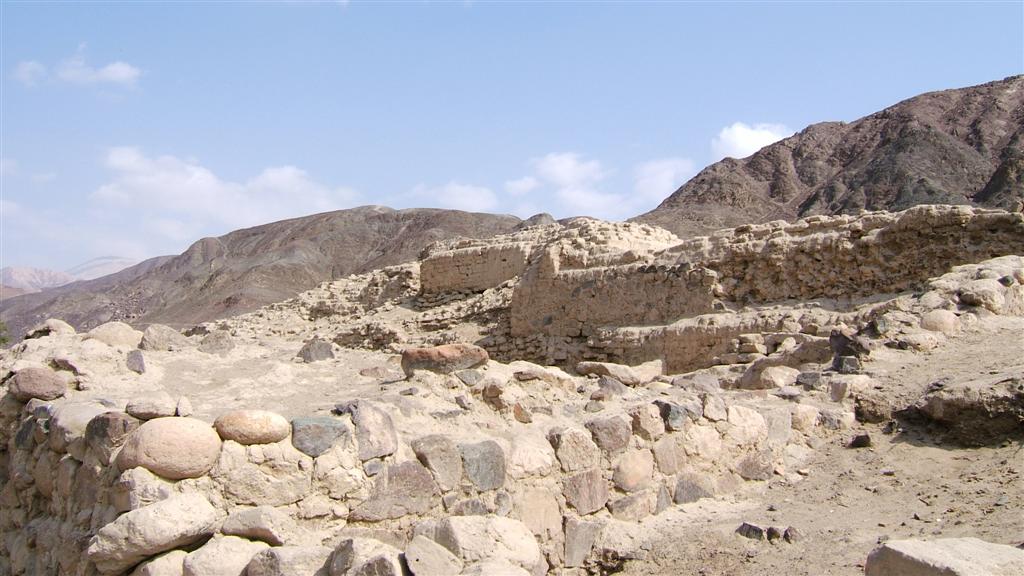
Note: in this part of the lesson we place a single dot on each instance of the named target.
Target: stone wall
(107, 487)
(475, 268)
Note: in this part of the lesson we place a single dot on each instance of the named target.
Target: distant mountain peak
(961, 146)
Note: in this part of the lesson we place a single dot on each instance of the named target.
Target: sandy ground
(907, 485)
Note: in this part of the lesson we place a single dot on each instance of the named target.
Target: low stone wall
(473, 269)
(108, 488)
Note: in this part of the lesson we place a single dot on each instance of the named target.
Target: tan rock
(290, 561)
(633, 470)
(222, 556)
(477, 538)
(943, 321)
(142, 533)
(622, 373)
(169, 564)
(36, 382)
(172, 447)
(944, 557)
(252, 427)
(574, 449)
(428, 558)
(264, 523)
(151, 405)
(444, 359)
(116, 335)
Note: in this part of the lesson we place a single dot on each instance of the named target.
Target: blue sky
(135, 129)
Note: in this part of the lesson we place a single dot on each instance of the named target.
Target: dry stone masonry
(464, 457)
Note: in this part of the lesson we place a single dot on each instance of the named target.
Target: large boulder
(116, 335)
(252, 427)
(160, 338)
(316, 350)
(174, 448)
(944, 557)
(36, 382)
(140, 534)
(168, 564)
(444, 359)
(979, 411)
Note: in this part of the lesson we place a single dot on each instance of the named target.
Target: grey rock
(109, 431)
(632, 508)
(756, 466)
(752, 531)
(406, 488)
(135, 362)
(580, 536)
(316, 350)
(315, 435)
(692, 487)
(611, 433)
(152, 405)
(574, 449)
(587, 492)
(160, 338)
(375, 432)
(484, 464)
(428, 558)
(217, 342)
(440, 455)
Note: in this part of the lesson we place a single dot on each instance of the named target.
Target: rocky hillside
(963, 146)
(246, 269)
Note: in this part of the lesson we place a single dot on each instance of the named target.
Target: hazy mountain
(963, 146)
(246, 269)
(33, 279)
(101, 266)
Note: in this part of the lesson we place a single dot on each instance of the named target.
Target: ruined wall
(475, 268)
(575, 302)
(848, 256)
(90, 487)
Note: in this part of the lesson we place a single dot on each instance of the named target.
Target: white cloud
(655, 180)
(740, 140)
(522, 186)
(181, 191)
(76, 71)
(456, 196)
(29, 72)
(576, 182)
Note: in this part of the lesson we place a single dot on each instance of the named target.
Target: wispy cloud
(655, 180)
(183, 198)
(77, 70)
(453, 195)
(740, 140)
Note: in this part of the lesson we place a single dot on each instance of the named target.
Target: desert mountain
(246, 269)
(963, 146)
(29, 279)
(99, 267)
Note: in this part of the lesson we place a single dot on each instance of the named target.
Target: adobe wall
(472, 269)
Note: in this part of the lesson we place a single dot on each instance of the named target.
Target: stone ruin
(478, 466)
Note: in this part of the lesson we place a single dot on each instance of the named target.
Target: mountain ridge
(958, 146)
